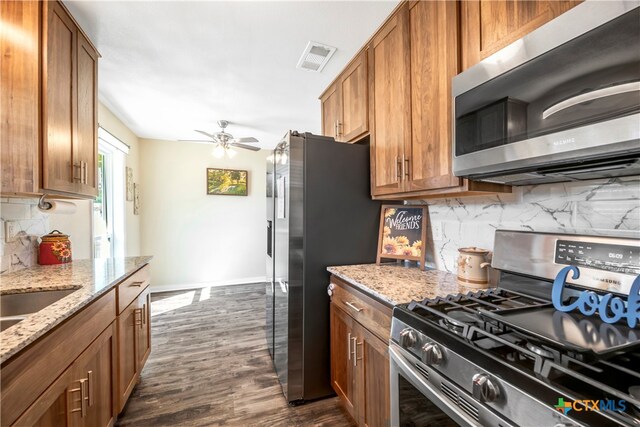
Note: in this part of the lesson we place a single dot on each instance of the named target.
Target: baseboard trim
(189, 286)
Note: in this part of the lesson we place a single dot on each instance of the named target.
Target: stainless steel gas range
(507, 357)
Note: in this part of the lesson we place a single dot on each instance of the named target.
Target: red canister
(55, 248)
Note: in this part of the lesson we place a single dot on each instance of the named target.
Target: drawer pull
(136, 284)
(353, 306)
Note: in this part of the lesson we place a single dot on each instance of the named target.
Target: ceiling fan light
(218, 152)
(231, 153)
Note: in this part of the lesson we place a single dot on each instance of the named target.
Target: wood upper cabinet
(490, 25)
(413, 58)
(434, 41)
(359, 357)
(49, 103)
(389, 104)
(69, 138)
(20, 98)
(344, 103)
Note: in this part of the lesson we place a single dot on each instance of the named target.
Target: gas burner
(539, 351)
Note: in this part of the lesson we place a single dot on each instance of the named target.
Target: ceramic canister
(473, 267)
(55, 248)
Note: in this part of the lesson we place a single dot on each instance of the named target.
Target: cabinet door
(343, 379)
(433, 28)
(127, 352)
(353, 88)
(143, 328)
(20, 101)
(95, 368)
(389, 104)
(59, 102)
(331, 112)
(373, 379)
(86, 144)
(53, 406)
(490, 25)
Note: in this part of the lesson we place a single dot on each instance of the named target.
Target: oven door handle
(400, 364)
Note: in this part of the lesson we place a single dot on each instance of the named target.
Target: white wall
(114, 126)
(196, 238)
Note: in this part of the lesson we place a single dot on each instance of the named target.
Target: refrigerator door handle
(269, 238)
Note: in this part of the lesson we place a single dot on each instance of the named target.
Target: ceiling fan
(224, 141)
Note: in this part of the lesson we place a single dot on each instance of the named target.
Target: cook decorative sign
(402, 233)
(610, 308)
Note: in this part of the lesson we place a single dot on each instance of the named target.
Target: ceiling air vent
(315, 57)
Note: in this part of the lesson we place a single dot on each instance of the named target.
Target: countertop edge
(383, 299)
(66, 314)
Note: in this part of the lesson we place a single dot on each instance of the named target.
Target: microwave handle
(590, 96)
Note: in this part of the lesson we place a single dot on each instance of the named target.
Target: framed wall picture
(136, 199)
(227, 182)
(403, 233)
(129, 184)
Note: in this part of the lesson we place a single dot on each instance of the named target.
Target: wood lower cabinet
(134, 332)
(49, 102)
(490, 25)
(360, 358)
(83, 394)
(344, 103)
(73, 375)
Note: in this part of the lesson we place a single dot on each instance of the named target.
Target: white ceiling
(170, 67)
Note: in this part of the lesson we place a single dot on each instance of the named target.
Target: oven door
(415, 401)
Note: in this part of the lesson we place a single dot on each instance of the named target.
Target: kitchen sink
(9, 321)
(28, 302)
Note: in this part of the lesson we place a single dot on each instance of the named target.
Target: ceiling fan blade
(249, 139)
(205, 133)
(246, 147)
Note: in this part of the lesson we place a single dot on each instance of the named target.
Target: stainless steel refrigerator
(319, 213)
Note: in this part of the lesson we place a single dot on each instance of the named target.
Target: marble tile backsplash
(30, 223)
(607, 207)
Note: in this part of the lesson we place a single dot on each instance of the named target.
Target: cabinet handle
(398, 163)
(144, 314)
(338, 126)
(86, 172)
(335, 129)
(349, 346)
(355, 352)
(82, 181)
(350, 304)
(136, 284)
(407, 169)
(83, 397)
(137, 321)
(77, 166)
(90, 387)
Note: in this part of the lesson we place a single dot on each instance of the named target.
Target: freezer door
(270, 250)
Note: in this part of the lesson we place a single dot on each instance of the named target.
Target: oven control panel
(600, 256)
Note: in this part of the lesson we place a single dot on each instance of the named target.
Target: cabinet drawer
(371, 314)
(131, 287)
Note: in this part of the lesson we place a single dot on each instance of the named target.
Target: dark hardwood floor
(209, 366)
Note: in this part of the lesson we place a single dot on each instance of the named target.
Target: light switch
(11, 229)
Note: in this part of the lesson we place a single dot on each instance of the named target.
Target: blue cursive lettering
(610, 308)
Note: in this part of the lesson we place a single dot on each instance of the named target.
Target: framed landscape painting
(227, 182)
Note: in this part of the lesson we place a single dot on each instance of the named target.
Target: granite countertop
(397, 284)
(91, 278)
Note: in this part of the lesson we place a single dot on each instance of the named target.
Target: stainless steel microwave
(560, 104)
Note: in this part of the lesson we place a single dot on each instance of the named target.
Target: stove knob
(408, 338)
(484, 389)
(431, 354)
